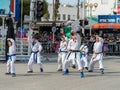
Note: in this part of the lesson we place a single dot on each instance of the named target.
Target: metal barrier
(108, 48)
(113, 49)
(23, 50)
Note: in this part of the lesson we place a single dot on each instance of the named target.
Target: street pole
(53, 17)
(78, 3)
(83, 16)
(53, 37)
(21, 16)
(21, 24)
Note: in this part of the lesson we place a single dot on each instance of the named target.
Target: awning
(106, 25)
(47, 24)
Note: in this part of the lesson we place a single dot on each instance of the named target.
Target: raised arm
(12, 40)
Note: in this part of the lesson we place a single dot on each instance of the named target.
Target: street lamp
(91, 6)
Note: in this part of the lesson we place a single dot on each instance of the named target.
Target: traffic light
(81, 22)
(85, 22)
(39, 10)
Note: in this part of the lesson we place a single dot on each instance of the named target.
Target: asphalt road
(50, 79)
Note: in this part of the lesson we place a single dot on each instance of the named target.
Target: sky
(4, 5)
(71, 2)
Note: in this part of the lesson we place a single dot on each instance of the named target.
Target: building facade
(65, 12)
(100, 7)
(93, 8)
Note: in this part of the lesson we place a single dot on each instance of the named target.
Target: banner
(118, 9)
(109, 19)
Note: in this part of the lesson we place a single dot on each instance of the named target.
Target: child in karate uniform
(97, 55)
(11, 57)
(35, 54)
(84, 54)
(62, 53)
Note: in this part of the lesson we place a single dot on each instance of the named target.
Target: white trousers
(97, 58)
(32, 61)
(11, 65)
(61, 59)
(84, 60)
(67, 61)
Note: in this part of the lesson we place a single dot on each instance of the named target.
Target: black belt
(98, 52)
(75, 50)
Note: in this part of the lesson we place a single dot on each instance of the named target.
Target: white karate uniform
(62, 54)
(84, 55)
(11, 58)
(35, 55)
(72, 56)
(79, 40)
(97, 57)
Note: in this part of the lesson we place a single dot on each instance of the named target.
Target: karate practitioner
(97, 55)
(72, 46)
(11, 57)
(84, 54)
(35, 54)
(79, 43)
(62, 53)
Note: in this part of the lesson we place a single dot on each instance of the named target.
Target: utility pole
(53, 17)
(83, 15)
(78, 3)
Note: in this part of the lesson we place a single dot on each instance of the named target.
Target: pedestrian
(62, 53)
(11, 57)
(72, 55)
(84, 54)
(97, 55)
(35, 54)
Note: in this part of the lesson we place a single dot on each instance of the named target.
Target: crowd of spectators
(108, 38)
(111, 41)
(46, 38)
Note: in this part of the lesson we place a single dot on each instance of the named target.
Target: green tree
(56, 11)
(45, 10)
(26, 7)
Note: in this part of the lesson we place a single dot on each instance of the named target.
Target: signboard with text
(109, 19)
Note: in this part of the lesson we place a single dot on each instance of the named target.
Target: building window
(58, 16)
(69, 17)
(118, 2)
(64, 17)
(104, 1)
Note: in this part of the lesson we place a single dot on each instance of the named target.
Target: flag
(12, 6)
